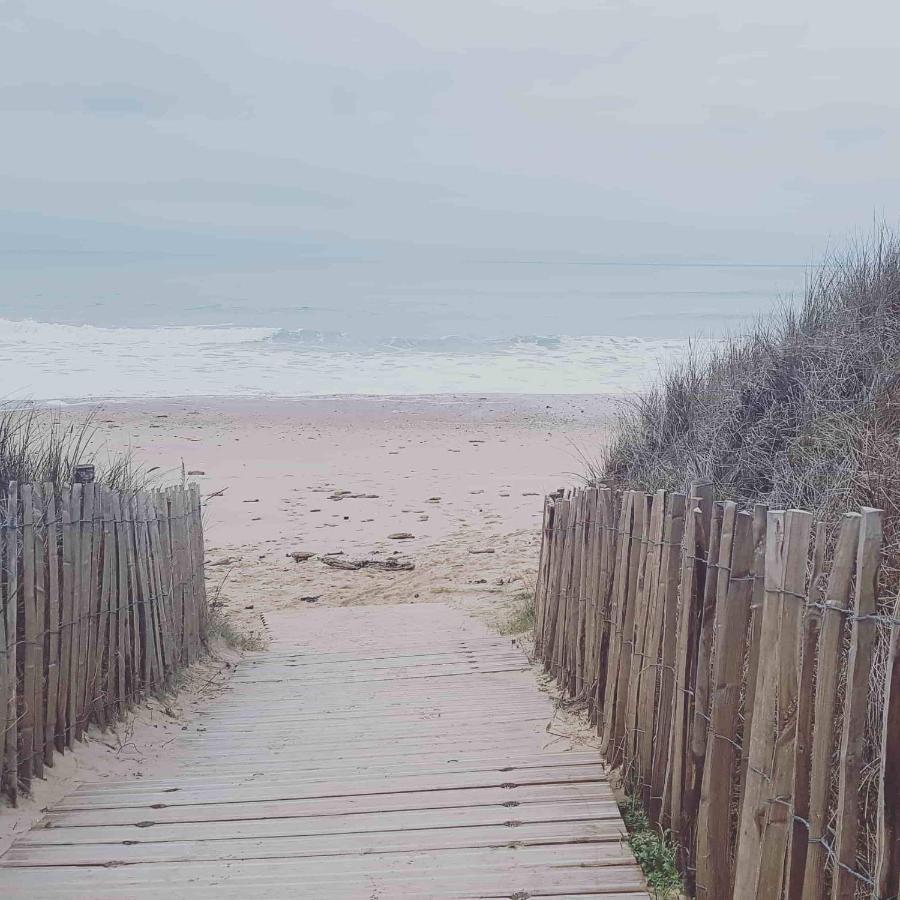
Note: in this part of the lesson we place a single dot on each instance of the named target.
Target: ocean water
(90, 328)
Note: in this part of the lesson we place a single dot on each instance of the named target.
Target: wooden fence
(103, 600)
(743, 679)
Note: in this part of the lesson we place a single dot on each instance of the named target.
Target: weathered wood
(492, 810)
(617, 616)
(714, 856)
(40, 651)
(767, 809)
(607, 534)
(71, 515)
(83, 607)
(94, 599)
(636, 557)
(836, 600)
(669, 573)
(760, 526)
(123, 646)
(565, 571)
(695, 753)
(11, 729)
(645, 719)
(52, 735)
(30, 634)
(887, 865)
(859, 666)
(688, 615)
(584, 628)
(809, 641)
(543, 576)
(649, 544)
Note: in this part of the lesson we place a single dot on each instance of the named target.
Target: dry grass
(36, 446)
(804, 412)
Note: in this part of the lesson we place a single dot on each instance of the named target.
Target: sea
(87, 328)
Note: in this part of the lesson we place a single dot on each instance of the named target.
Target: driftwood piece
(391, 564)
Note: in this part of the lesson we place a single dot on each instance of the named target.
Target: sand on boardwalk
(460, 474)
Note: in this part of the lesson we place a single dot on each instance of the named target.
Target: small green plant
(220, 627)
(521, 618)
(654, 851)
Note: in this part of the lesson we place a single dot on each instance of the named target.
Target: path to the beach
(390, 751)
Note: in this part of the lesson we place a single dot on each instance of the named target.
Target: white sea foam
(57, 362)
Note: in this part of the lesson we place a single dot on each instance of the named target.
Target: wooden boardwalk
(389, 752)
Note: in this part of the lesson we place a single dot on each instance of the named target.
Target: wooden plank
(600, 811)
(766, 811)
(695, 754)
(94, 599)
(809, 641)
(793, 598)
(30, 634)
(859, 668)
(6, 648)
(186, 577)
(134, 636)
(39, 700)
(159, 591)
(83, 607)
(150, 595)
(617, 617)
(102, 663)
(542, 580)
(635, 639)
(714, 852)
(11, 752)
(583, 625)
(71, 555)
(605, 572)
(669, 574)
(604, 839)
(836, 601)
(123, 643)
(688, 616)
(575, 610)
(760, 525)
(887, 865)
(52, 735)
(650, 652)
(565, 575)
(198, 564)
(636, 552)
(551, 600)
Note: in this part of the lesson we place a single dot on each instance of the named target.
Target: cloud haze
(655, 130)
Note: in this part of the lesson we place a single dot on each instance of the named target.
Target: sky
(641, 131)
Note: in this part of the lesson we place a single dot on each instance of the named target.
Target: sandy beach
(462, 478)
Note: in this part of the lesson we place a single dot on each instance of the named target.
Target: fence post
(52, 736)
(9, 699)
(617, 617)
(40, 657)
(887, 865)
(30, 635)
(798, 842)
(668, 573)
(767, 806)
(859, 665)
(632, 563)
(648, 662)
(714, 863)
(688, 614)
(695, 753)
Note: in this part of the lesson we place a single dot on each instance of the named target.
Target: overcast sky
(750, 131)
